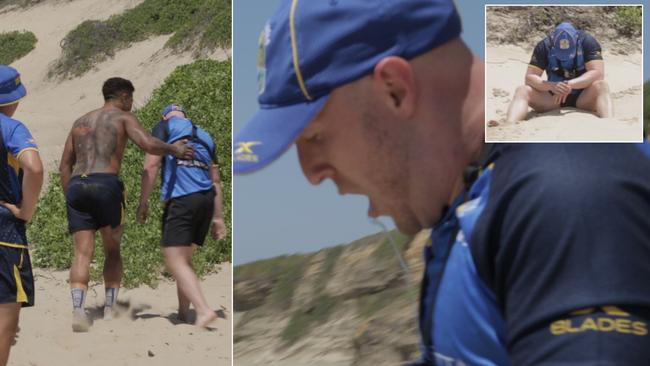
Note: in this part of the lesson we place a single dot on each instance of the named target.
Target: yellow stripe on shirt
(14, 245)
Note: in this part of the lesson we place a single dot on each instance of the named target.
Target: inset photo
(564, 73)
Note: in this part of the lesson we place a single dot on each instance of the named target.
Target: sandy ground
(505, 70)
(147, 323)
(51, 107)
(145, 331)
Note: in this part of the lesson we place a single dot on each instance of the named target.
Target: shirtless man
(89, 168)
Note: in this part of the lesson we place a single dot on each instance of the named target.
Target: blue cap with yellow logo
(565, 38)
(309, 48)
(11, 88)
(171, 108)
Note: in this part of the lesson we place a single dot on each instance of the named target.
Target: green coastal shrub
(200, 24)
(629, 20)
(15, 45)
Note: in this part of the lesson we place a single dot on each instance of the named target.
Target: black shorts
(571, 99)
(16, 278)
(187, 219)
(95, 201)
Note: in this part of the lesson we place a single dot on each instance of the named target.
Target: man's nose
(314, 166)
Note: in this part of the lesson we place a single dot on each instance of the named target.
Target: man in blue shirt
(191, 190)
(21, 177)
(538, 252)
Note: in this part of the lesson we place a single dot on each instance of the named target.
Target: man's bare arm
(152, 145)
(149, 173)
(534, 79)
(218, 224)
(68, 159)
(595, 72)
(30, 163)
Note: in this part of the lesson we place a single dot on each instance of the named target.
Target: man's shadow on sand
(139, 312)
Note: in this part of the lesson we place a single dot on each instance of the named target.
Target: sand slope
(146, 331)
(505, 70)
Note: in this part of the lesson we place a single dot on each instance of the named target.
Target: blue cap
(11, 88)
(172, 107)
(565, 39)
(309, 48)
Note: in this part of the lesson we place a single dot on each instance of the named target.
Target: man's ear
(397, 81)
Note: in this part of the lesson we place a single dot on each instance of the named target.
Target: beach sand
(145, 330)
(505, 69)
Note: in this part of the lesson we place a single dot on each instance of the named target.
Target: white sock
(111, 296)
(78, 299)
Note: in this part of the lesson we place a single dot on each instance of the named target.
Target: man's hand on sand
(183, 150)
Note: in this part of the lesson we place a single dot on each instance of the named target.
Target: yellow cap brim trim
(294, 50)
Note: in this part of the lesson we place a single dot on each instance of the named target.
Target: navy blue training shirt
(545, 260)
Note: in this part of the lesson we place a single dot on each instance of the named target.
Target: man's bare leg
(596, 98)
(9, 314)
(179, 262)
(84, 247)
(183, 304)
(525, 96)
(112, 238)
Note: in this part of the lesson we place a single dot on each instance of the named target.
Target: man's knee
(601, 86)
(523, 92)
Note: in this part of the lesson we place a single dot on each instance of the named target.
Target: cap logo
(17, 80)
(564, 44)
(244, 151)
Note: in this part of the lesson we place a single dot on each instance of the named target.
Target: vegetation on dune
(19, 3)
(321, 305)
(607, 23)
(15, 45)
(629, 20)
(204, 89)
(202, 25)
(269, 287)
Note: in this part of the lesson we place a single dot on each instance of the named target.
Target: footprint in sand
(629, 91)
(499, 93)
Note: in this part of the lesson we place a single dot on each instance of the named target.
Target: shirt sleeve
(591, 48)
(159, 132)
(540, 57)
(20, 140)
(564, 245)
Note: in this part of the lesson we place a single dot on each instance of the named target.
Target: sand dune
(505, 70)
(146, 333)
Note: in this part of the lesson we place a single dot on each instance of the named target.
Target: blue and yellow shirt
(16, 139)
(183, 177)
(544, 260)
